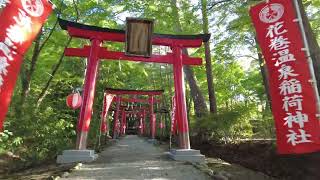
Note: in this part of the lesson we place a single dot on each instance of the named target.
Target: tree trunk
(198, 99)
(44, 91)
(200, 106)
(265, 78)
(28, 72)
(264, 74)
(211, 91)
(56, 67)
(313, 44)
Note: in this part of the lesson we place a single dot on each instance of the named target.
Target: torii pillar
(184, 153)
(141, 124)
(123, 123)
(88, 96)
(116, 118)
(152, 119)
(144, 123)
(181, 108)
(81, 153)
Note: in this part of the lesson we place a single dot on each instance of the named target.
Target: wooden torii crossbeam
(136, 100)
(131, 109)
(151, 101)
(96, 52)
(134, 92)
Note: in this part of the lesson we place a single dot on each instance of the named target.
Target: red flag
(293, 98)
(20, 23)
(107, 100)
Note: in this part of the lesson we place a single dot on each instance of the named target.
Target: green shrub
(225, 126)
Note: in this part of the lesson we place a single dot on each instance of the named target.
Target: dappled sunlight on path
(134, 158)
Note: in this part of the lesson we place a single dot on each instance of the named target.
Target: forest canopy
(39, 125)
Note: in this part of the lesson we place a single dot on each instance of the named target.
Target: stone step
(72, 156)
(185, 151)
(187, 158)
(86, 152)
(187, 155)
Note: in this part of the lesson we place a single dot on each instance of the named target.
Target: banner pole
(307, 50)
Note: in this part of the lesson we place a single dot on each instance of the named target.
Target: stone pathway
(134, 158)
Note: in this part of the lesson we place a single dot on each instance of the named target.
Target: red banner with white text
(173, 117)
(21, 21)
(293, 98)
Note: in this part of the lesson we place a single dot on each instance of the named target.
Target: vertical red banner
(293, 98)
(21, 21)
(122, 122)
(173, 117)
(107, 100)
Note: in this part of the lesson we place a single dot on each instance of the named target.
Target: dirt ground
(261, 156)
(245, 161)
(13, 170)
(133, 157)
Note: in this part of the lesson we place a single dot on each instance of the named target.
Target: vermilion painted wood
(141, 125)
(133, 92)
(176, 58)
(123, 123)
(88, 95)
(130, 109)
(116, 118)
(113, 55)
(144, 122)
(137, 113)
(152, 122)
(120, 37)
(135, 100)
(181, 108)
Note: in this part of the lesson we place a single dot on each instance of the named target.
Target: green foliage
(227, 126)
(42, 132)
(264, 127)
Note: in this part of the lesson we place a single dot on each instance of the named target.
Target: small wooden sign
(139, 37)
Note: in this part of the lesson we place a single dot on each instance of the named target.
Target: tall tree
(211, 91)
(200, 106)
(312, 41)
(264, 74)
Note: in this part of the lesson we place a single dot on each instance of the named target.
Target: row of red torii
(95, 52)
(120, 126)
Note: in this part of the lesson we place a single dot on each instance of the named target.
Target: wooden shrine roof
(64, 24)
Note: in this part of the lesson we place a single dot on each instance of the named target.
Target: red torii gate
(151, 101)
(108, 99)
(95, 52)
(142, 119)
(141, 113)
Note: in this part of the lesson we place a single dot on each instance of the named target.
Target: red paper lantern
(74, 100)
